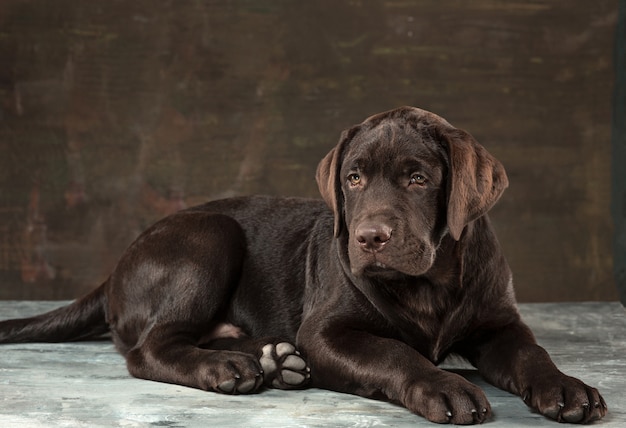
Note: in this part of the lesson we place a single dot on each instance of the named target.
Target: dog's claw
(238, 386)
(566, 399)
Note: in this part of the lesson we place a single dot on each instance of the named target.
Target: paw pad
(283, 367)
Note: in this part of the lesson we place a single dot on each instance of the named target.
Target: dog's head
(401, 180)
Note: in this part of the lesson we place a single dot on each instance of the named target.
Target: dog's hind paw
(238, 386)
(235, 373)
(283, 366)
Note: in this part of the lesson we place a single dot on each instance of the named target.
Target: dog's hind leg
(170, 290)
(169, 353)
(169, 296)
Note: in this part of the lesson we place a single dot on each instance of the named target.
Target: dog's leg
(511, 359)
(234, 366)
(169, 353)
(357, 362)
(169, 292)
(283, 365)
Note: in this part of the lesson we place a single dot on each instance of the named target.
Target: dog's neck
(401, 301)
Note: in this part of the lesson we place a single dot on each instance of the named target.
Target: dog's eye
(354, 179)
(418, 179)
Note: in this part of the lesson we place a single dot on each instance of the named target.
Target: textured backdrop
(115, 113)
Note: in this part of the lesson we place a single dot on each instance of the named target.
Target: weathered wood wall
(116, 113)
(618, 156)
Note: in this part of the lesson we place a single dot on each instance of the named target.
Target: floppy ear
(476, 180)
(328, 179)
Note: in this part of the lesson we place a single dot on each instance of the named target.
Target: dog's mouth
(379, 265)
(379, 269)
(390, 265)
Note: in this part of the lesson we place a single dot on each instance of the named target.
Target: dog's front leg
(511, 359)
(354, 361)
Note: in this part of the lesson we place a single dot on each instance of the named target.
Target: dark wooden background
(115, 113)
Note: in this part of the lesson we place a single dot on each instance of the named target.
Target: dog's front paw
(283, 366)
(565, 399)
(449, 398)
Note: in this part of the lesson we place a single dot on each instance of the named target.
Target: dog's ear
(476, 180)
(329, 180)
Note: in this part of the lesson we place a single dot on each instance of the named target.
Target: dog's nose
(373, 237)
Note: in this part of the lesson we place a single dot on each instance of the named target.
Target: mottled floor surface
(86, 384)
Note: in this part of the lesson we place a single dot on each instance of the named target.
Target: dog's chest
(436, 340)
(431, 323)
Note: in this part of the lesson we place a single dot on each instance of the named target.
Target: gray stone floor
(86, 384)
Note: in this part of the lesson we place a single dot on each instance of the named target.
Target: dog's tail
(83, 319)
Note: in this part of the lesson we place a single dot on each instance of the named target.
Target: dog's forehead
(395, 138)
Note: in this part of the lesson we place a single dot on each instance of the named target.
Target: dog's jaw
(392, 261)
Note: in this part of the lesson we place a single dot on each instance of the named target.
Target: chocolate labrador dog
(366, 297)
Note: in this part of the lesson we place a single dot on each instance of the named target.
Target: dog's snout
(373, 237)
